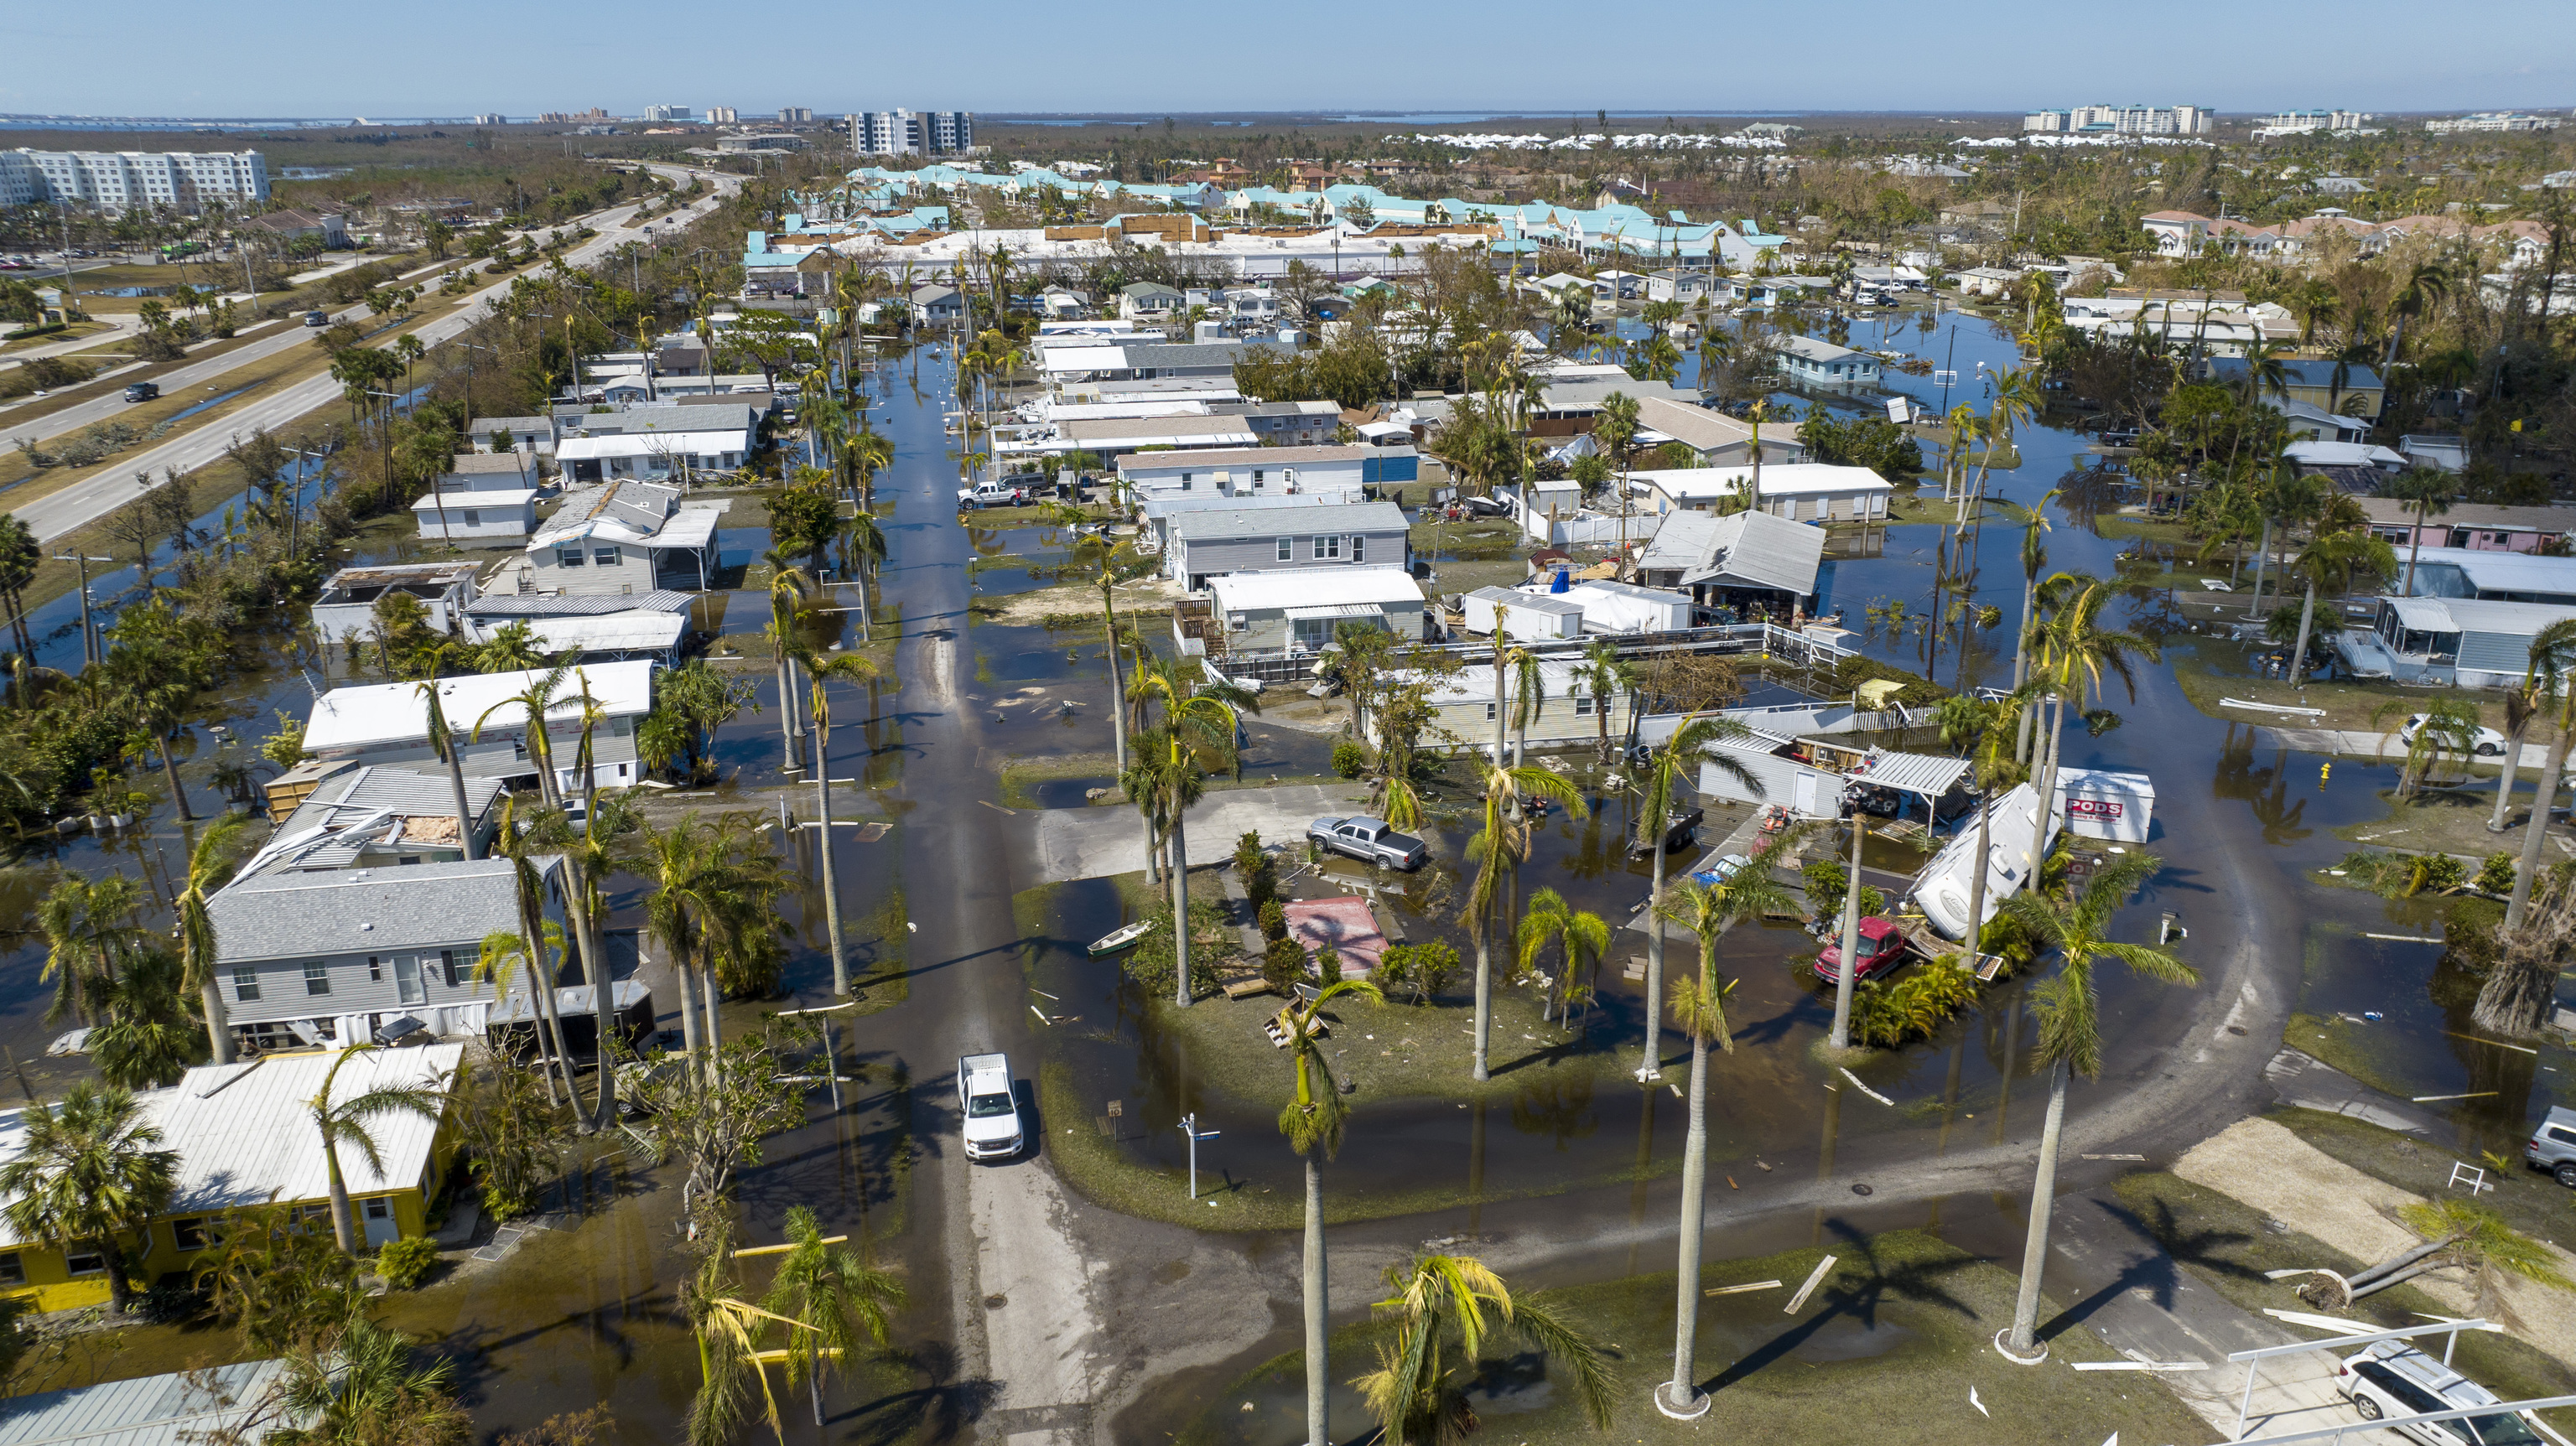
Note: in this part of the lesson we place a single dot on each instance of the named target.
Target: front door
(379, 1217)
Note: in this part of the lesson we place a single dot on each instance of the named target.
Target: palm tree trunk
(1117, 684)
(2043, 1194)
(1681, 1391)
(1977, 881)
(1484, 988)
(170, 775)
(219, 1031)
(831, 880)
(2307, 619)
(456, 791)
(1318, 1309)
(2504, 786)
(709, 993)
(1653, 1068)
(1180, 874)
(2414, 550)
(343, 1224)
(786, 671)
(2262, 560)
(2045, 806)
(2544, 790)
(120, 1291)
(1847, 970)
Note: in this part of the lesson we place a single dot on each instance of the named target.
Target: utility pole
(89, 648)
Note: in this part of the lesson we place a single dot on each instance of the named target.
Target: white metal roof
(433, 502)
(379, 713)
(184, 1406)
(649, 444)
(1929, 774)
(1779, 479)
(2507, 572)
(1537, 602)
(2104, 780)
(634, 630)
(1335, 610)
(1241, 592)
(245, 1132)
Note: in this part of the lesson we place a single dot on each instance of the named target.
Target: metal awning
(2422, 614)
(1928, 774)
(1337, 610)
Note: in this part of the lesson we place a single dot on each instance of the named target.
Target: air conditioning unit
(1239, 622)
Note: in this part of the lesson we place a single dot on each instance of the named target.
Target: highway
(93, 497)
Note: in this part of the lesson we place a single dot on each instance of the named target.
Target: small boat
(1120, 938)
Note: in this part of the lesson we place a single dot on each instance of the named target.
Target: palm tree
(345, 1122)
(829, 1295)
(442, 742)
(823, 670)
(210, 866)
(89, 932)
(367, 1389)
(149, 1039)
(1198, 712)
(1615, 429)
(541, 945)
(2292, 499)
(1693, 745)
(534, 700)
(788, 585)
(1580, 933)
(2425, 286)
(1604, 675)
(863, 542)
(1966, 723)
(2427, 491)
(2076, 652)
(1708, 911)
(512, 648)
(2553, 659)
(2522, 706)
(87, 1174)
(2034, 558)
(1439, 1304)
(1529, 695)
(1312, 1120)
(2337, 562)
(1106, 562)
(2070, 1034)
(728, 1331)
(1502, 844)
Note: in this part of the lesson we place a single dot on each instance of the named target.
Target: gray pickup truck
(1371, 840)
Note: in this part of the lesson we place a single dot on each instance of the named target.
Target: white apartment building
(912, 133)
(120, 181)
(668, 113)
(2491, 120)
(2127, 120)
(2302, 122)
(720, 115)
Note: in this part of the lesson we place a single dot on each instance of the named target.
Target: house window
(1582, 705)
(13, 1271)
(408, 985)
(1489, 712)
(1287, 549)
(605, 556)
(568, 557)
(317, 976)
(1359, 548)
(1327, 547)
(245, 984)
(473, 518)
(1256, 476)
(375, 969)
(83, 1262)
(451, 968)
(191, 1233)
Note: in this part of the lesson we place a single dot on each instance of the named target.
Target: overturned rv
(1943, 887)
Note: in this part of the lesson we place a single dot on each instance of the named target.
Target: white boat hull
(1942, 889)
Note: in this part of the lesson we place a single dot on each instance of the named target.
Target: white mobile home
(389, 723)
(497, 517)
(1618, 607)
(1523, 616)
(1273, 612)
(1563, 713)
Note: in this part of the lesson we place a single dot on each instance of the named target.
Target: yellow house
(245, 1135)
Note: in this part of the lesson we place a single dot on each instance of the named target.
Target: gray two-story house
(1267, 539)
(307, 958)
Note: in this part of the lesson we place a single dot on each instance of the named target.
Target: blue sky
(305, 58)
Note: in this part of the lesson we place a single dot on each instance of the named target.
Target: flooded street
(1564, 1167)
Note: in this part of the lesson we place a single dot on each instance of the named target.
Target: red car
(1882, 947)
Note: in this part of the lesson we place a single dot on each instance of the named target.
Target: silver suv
(2393, 1378)
(2553, 1146)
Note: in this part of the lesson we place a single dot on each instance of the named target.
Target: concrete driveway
(1091, 843)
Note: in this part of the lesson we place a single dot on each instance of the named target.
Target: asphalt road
(93, 497)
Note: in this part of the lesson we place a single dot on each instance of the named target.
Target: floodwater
(587, 1314)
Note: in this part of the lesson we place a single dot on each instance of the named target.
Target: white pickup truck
(992, 1111)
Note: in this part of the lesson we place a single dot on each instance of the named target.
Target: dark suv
(142, 391)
